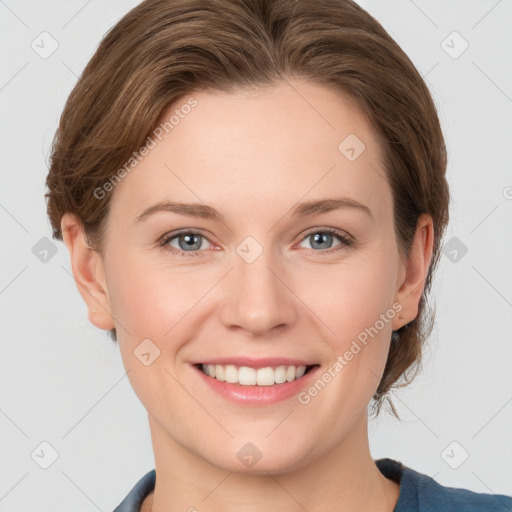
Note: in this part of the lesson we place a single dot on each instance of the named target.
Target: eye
(323, 239)
(189, 243)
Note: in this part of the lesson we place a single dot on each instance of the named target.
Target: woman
(253, 196)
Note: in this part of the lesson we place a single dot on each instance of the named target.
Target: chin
(260, 457)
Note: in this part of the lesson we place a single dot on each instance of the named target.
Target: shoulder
(418, 493)
(421, 493)
(133, 501)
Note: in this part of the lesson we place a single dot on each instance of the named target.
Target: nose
(258, 298)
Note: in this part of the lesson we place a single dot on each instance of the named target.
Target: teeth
(231, 374)
(247, 376)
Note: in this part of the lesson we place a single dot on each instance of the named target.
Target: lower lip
(257, 395)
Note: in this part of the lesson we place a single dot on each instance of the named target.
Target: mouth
(250, 376)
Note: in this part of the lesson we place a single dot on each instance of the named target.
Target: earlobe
(88, 272)
(416, 269)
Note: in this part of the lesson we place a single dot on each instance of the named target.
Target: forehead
(265, 147)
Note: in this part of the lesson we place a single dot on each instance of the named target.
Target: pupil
(321, 238)
(191, 241)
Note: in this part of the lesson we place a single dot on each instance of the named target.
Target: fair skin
(253, 156)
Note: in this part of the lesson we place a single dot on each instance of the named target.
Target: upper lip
(256, 362)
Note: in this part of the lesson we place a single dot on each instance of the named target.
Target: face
(267, 271)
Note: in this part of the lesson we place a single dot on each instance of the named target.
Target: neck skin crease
(345, 479)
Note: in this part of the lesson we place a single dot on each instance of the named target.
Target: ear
(414, 272)
(88, 271)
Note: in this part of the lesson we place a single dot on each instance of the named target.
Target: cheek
(354, 303)
(150, 299)
(153, 302)
(351, 296)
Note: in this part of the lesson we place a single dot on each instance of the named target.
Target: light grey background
(62, 380)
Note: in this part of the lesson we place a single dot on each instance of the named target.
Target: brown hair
(163, 50)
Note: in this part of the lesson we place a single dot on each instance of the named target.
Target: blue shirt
(418, 493)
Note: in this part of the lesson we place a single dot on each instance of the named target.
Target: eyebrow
(207, 212)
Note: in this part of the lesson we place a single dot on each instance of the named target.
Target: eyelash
(345, 242)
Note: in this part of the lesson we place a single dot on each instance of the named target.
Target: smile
(248, 376)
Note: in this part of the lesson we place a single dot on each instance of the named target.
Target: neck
(345, 478)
